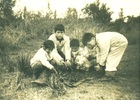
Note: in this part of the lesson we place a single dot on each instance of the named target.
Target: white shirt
(64, 45)
(43, 57)
(78, 52)
(105, 41)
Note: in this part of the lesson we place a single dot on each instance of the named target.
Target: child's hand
(97, 67)
(68, 63)
(61, 63)
(54, 70)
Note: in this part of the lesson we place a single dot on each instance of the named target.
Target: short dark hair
(86, 38)
(74, 42)
(48, 44)
(59, 27)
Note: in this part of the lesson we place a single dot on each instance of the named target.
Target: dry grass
(126, 89)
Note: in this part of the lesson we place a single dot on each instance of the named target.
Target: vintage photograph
(69, 50)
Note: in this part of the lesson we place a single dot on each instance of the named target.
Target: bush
(23, 64)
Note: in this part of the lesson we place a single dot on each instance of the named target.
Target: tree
(119, 23)
(98, 12)
(133, 22)
(71, 13)
(6, 12)
(121, 14)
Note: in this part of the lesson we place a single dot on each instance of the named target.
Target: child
(62, 43)
(42, 60)
(78, 56)
(112, 46)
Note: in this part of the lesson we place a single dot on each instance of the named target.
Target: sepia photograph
(69, 50)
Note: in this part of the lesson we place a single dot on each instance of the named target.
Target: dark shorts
(38, 69)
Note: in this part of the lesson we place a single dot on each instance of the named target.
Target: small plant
(23, 62)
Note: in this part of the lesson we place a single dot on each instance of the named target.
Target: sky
(130, 7)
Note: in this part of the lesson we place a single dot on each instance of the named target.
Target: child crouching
(80, 57)
(45, 59)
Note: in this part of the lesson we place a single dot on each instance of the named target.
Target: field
(127, 88)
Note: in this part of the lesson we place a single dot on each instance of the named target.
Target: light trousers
(115, 54)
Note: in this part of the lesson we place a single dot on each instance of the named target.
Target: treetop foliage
(99, 12)
(6, 12)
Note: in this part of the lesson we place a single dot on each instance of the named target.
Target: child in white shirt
(62, 43)
(79, 56)
(44, 59)
(112, 46)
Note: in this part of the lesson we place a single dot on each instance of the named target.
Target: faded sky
(130, 7)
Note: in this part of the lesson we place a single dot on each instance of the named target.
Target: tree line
(96, 11)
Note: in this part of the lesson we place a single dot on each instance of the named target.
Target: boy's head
(74, 44)
(59, 27)
(59, 30)
(89, 40)
(48, 45)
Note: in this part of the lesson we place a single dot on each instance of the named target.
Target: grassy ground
(126, 89)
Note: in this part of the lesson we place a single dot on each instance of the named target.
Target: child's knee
(53, 62)
(37, 65)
